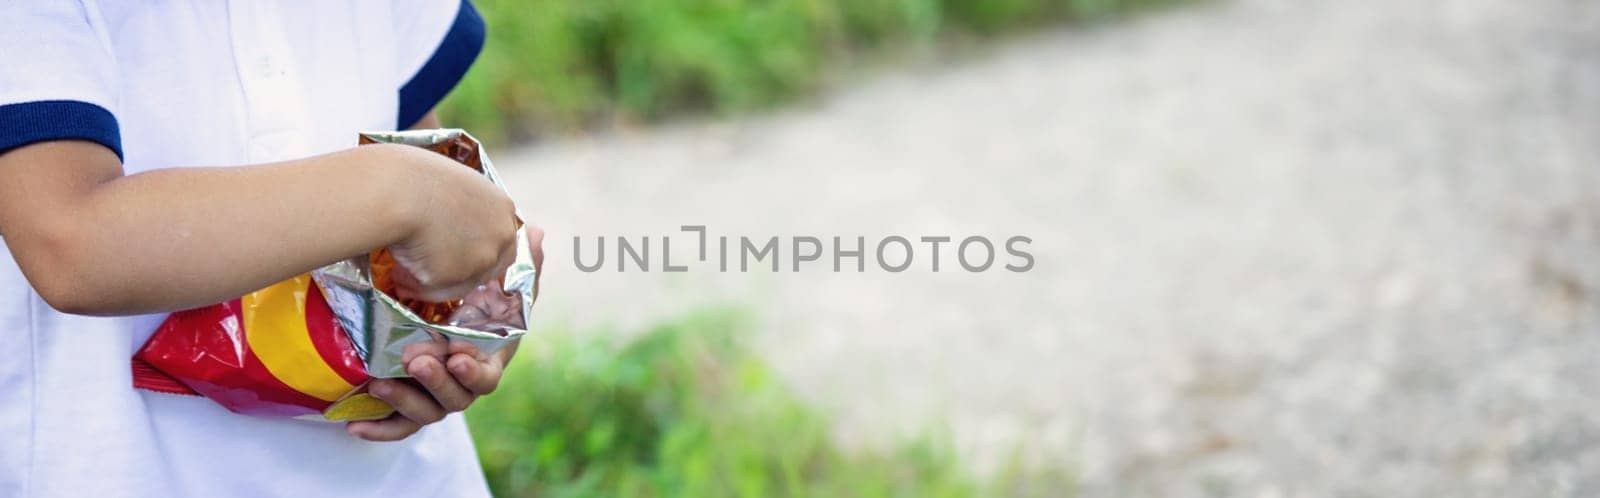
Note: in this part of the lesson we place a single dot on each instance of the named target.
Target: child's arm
(93, 241)
(448, 379)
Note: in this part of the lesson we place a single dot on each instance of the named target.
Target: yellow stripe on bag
(275, 327)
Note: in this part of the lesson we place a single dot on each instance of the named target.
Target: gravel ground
(1284, 248)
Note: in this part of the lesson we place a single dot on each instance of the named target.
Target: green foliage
(562, 65)
(683, 410)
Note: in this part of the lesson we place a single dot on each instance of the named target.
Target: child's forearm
(178, 238)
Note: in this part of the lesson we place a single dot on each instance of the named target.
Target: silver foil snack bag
(383, 326)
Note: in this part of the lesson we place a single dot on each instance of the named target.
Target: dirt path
(1284, 248)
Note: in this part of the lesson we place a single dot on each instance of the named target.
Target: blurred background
(1283, 247)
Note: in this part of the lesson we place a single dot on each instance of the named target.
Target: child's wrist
(401, 189)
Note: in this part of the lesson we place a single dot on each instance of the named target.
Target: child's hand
(462, 229)
(435, 390)
(437, 387)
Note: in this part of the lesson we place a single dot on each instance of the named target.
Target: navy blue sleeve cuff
(46, 120)
(445, 68)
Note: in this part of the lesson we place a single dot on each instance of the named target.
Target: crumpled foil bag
(306, 347)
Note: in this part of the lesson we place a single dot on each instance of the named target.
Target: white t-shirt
(204, 83)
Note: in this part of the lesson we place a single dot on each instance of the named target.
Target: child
(158, 156)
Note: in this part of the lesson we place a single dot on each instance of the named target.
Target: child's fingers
(406, 285)
(445, 294)
(408, 400)
(498, 271)
(437, 348)
(480, 377)
(446, 391)
(536, 247)
(466, 348)
(393, 428)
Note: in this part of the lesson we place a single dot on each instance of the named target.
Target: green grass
(554, 66)
(685, 410)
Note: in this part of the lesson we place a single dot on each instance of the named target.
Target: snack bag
(306, 347)
(276, 352)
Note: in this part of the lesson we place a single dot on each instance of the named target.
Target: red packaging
(276, 352)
